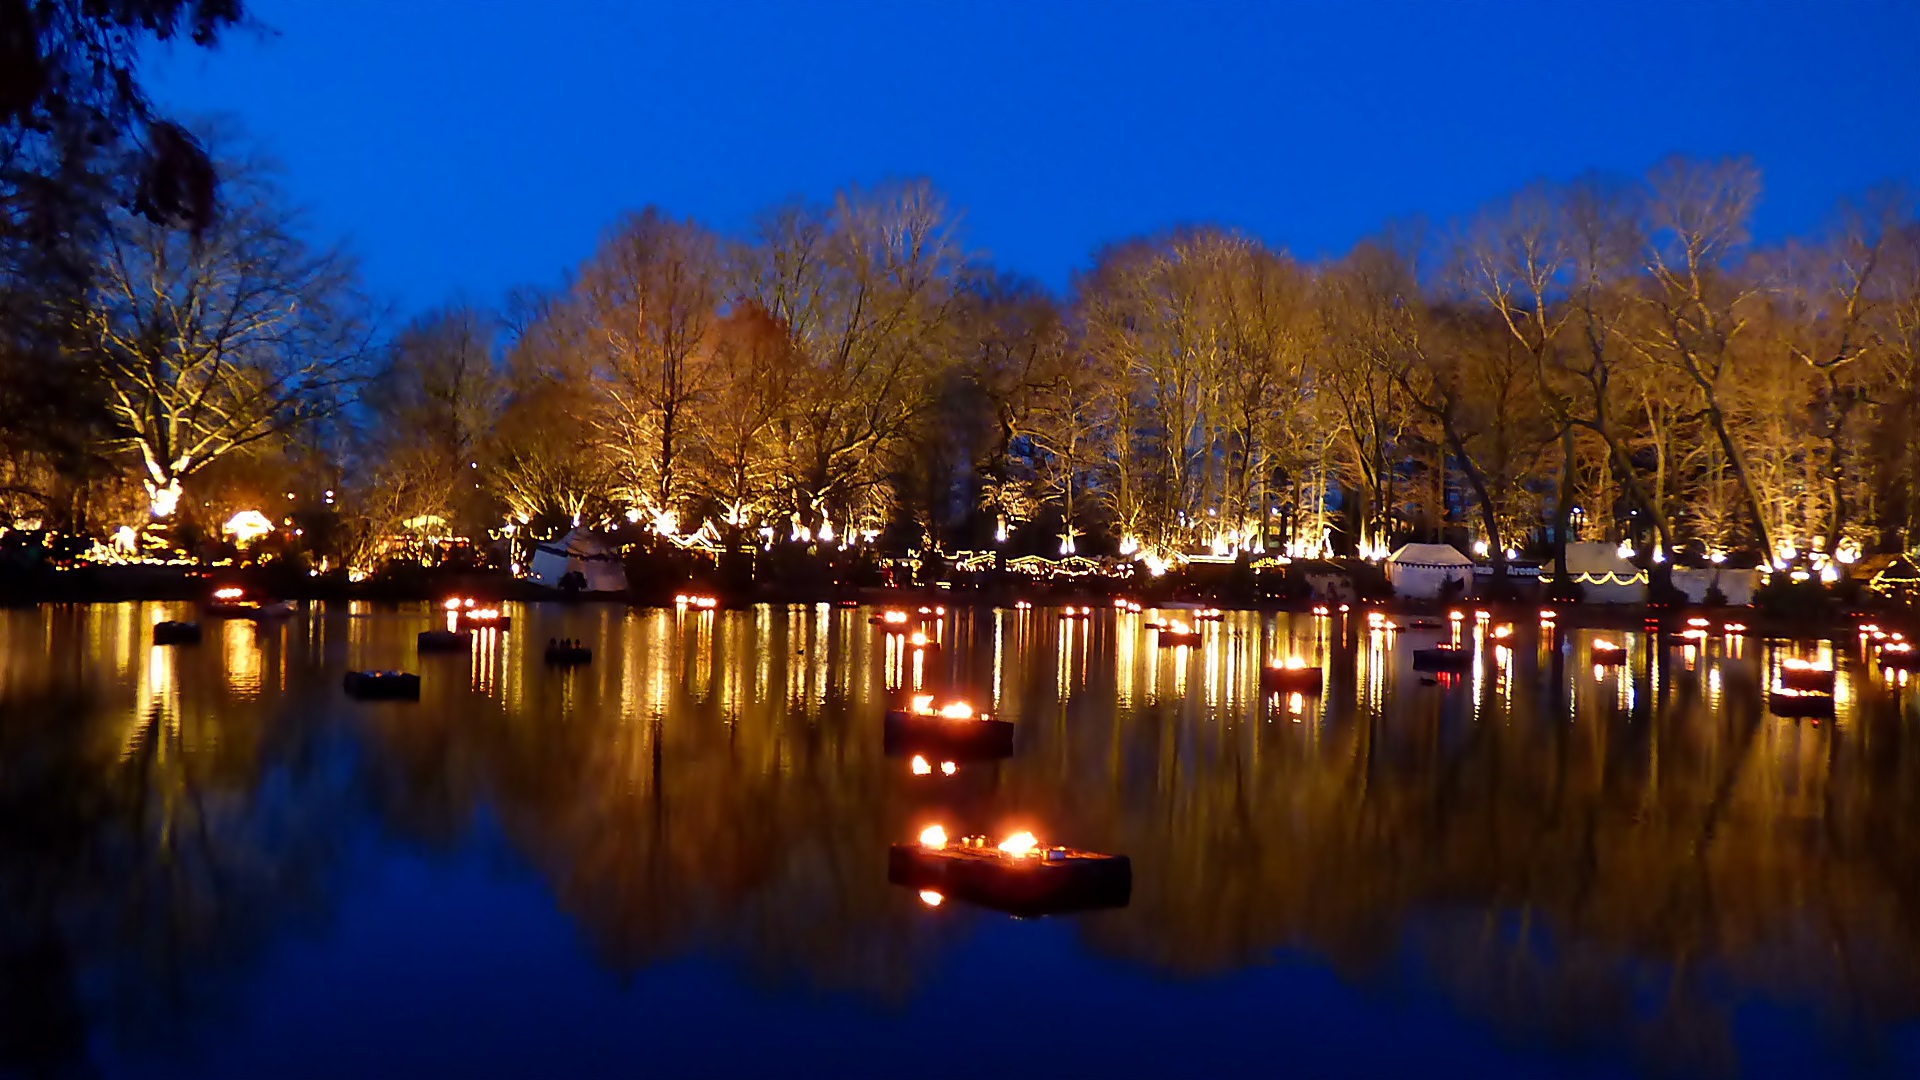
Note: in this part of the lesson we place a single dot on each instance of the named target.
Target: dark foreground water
(673, 862)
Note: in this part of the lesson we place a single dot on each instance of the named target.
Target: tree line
(1607, 358)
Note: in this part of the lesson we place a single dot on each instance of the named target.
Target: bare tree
(208, 344)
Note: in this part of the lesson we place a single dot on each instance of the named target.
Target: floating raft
(447, 641)
(1442, 658)
(1292, 680)
(569, 655)
(382, 685)
(1050, 881)
(176, 633)
(974, 738)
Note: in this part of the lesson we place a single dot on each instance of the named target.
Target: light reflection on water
(1594, 862)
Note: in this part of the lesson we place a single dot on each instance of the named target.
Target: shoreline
(103, 585)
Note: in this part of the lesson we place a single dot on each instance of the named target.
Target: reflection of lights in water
(1182, 656)
(999, 655)
(240, 657)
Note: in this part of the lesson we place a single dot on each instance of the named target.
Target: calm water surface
(673, 862)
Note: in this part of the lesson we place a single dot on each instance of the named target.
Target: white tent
(580, 552)
(1421, 571)
(1605, 576)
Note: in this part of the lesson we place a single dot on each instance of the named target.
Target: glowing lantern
(1019, 845)
(934, 837)
(920, 766)
(930, 898)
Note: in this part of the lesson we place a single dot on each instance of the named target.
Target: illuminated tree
(207, 344)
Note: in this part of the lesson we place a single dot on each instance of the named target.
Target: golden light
(920, 766)
(1794, 663)
(1294, 663)
(958, 710)
(1456, 616)
(923, 704)
(1607, 647)
(948, 768)
(1548, 615)
(934, 837)
(1503, 631)
(919, 637)
(930, 898)
(895, 617)
(229, 593)
(452, 604)
(1697, 622)
(1018, 845)
(247, 526)
(1296, 702)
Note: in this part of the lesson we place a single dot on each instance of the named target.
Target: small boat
(569, 655)
(1442, 658)
(382, 685)
(1292, 677)
(953, 730)
(445, 641)
(176, 633)
(1018, 876)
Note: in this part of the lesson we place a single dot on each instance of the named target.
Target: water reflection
(1613, 857)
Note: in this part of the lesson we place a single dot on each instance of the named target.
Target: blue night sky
(466, 146)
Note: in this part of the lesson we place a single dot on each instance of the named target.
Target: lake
(673, 860)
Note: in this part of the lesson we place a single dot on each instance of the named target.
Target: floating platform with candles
(232, 602)
(1019, 876)
(443, 641)
(952, 730)
(1291, 677)
(176, 633)
(1442, 658)
(1608, 653)
(569, 655)
(468, 614)
(1806, 676)
(1173, 635)
(1785, 701)
(1899, 656)
(382, 685)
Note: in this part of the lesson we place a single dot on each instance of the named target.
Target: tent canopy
(1594, 557)
(580, 552)
(1429, 556)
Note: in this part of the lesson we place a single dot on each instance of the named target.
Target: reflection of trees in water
(1625, 869)
(146, 858)
(675, 808)
(1637, 865)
